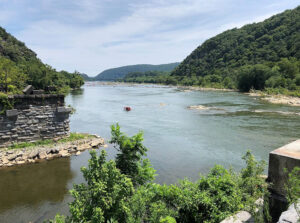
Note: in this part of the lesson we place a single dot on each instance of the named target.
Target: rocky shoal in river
(11, 157)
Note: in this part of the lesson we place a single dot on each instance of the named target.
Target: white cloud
(94, 35)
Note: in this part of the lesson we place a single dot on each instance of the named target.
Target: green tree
(11, 77)
(253, 77)
(129, 157)
(104, 196)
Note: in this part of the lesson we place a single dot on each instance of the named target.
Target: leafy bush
(104, 196)
(292, 188)
(123, 191)
(129, 159)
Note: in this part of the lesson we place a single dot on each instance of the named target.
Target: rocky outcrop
(240, 217)
(11, 157)
(291, 215)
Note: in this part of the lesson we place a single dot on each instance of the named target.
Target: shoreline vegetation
(123, 190)
(33, 152)
(20, 66)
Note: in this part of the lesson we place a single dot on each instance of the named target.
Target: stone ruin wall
(33, 118)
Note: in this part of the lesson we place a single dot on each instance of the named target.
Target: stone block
(12, 113)
(290, 215)
(38, 91)
(240, 217)
(28, 90)
(5, 137)
(64, 110)
(286, 157)
(41, 117)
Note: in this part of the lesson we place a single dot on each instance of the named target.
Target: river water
(181, 142)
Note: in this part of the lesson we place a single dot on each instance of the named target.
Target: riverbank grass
(47, 142)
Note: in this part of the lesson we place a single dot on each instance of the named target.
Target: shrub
(292, 188)
(104, 196)
(122, 191)
(129, 157)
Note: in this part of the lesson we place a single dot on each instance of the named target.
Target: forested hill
(120, 72)
(86, 77)
(268, 41)
(260, 55)
(19, 66)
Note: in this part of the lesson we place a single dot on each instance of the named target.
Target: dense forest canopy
(262, 56)
(19, 66)
(120, 72)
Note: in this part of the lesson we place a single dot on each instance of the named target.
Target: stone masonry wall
(34, 117)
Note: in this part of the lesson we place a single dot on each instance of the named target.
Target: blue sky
(93, 35)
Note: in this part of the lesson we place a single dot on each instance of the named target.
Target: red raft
(127, 108)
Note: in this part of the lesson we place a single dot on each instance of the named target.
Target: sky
(93, 35)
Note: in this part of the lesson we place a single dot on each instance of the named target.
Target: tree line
(19, 67)
(274, 77)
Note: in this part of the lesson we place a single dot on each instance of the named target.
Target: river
(181, 142)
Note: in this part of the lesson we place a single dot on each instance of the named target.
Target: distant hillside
(120, 72)
(20, 66)
(268, 41)
(85, 77)
(262, 56)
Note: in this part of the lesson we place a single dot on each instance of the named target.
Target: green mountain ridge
(20, 66)
(261, 56)
(114, 74)
(268, 41)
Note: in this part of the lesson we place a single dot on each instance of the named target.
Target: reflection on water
(34, 184)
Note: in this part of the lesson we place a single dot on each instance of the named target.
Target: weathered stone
(4, 160)
(20, 162)
(5, 137)
(240, 217)
(38, 92)
(33, 154)
(64, 153)
(28, 90)
(286, 157)
(83, 147)
(64, 110)
(12, 157)
(42, 155)
(17, 157)
(41, 116)
(97, 143)
(290, 216)
(11, 113)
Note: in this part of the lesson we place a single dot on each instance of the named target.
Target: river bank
(10, 157)
(276, 99)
